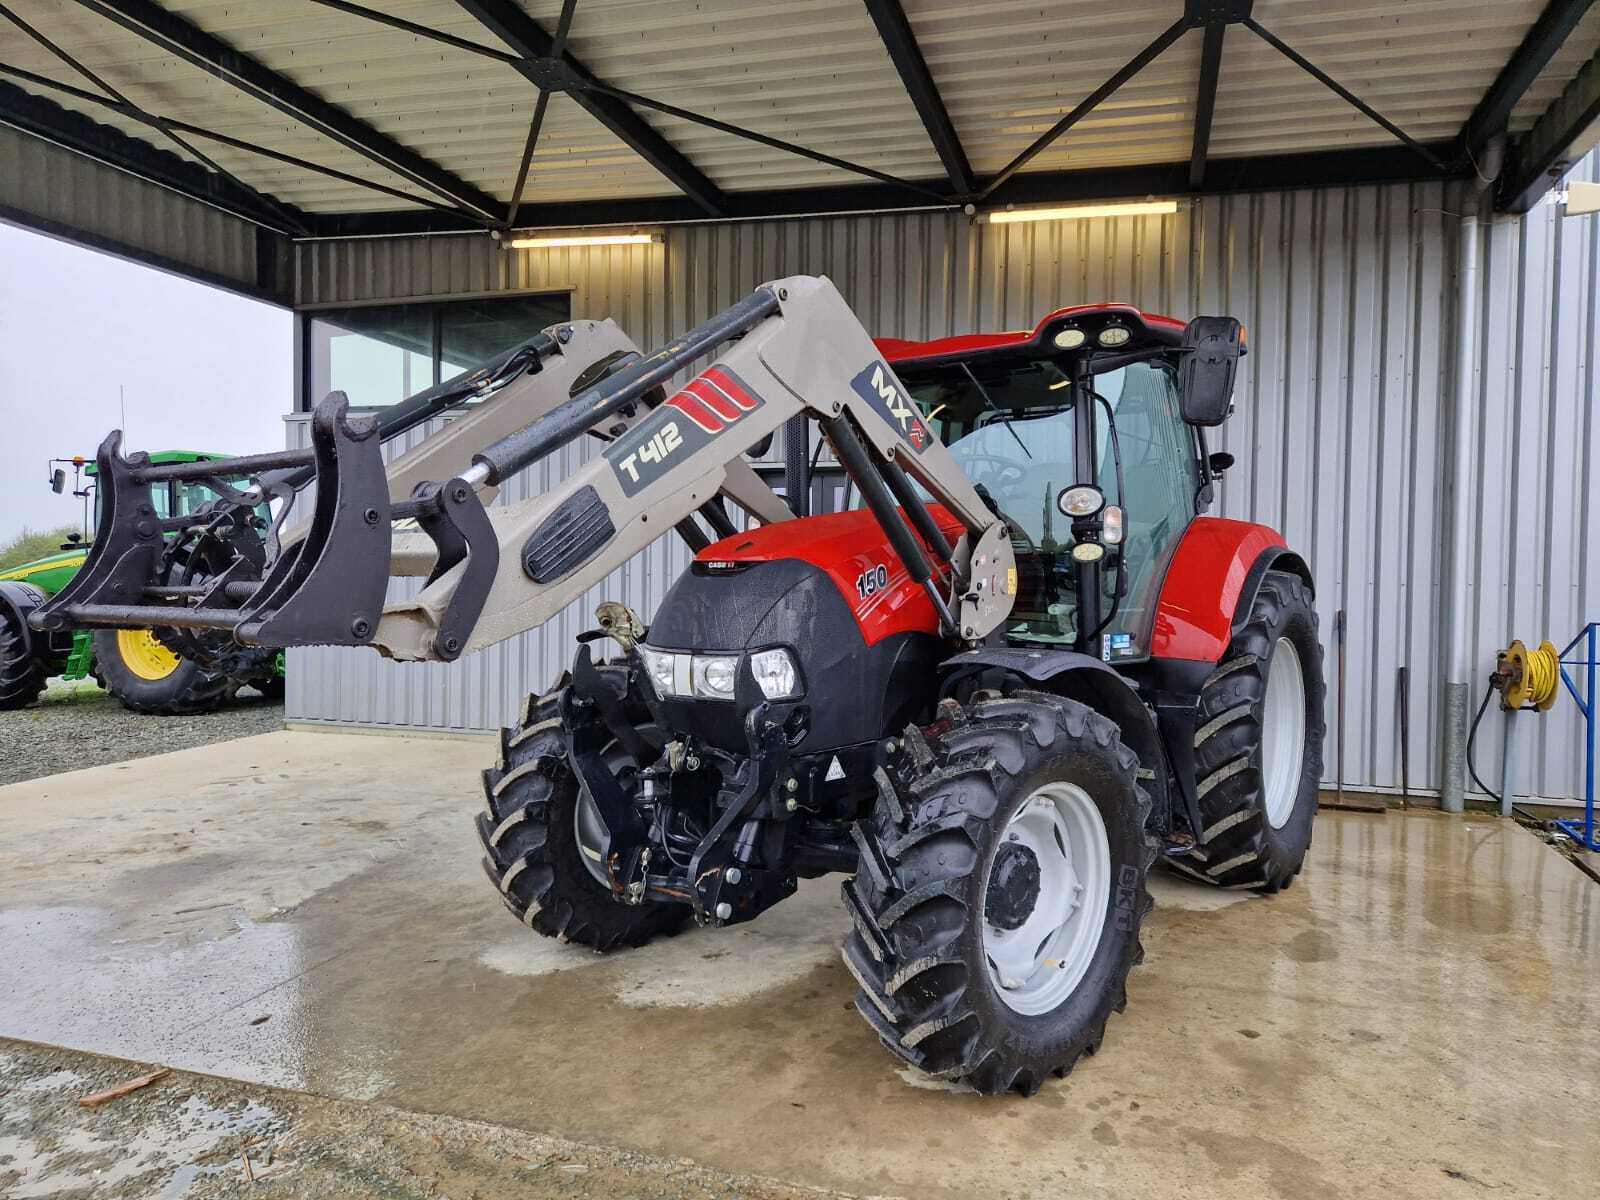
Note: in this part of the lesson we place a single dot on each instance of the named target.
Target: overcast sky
(200, 368)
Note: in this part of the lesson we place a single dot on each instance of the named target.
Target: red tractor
(991, 696)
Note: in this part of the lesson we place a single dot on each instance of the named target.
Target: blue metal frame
(1583, 832)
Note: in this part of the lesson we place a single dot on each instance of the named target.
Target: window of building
(380, 354)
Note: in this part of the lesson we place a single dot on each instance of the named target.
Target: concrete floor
(1415, 1018)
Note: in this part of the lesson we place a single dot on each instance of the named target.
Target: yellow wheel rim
(144, 655)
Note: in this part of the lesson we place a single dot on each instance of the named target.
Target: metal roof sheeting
(53, 189)
(809, 71)
(1339, 427)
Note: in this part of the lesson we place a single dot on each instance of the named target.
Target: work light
(1081, 501)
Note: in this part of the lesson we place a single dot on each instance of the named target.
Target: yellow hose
(1531, 676)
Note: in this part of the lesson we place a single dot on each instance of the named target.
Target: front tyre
(1258, 745)
(539, 831)
(999, 896)
(140, 670)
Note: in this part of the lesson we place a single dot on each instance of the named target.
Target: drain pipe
(1460, 586)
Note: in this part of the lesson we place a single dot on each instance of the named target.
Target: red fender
(1194, 617)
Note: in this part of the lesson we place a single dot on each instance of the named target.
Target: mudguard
(1084, 678)
(1211, 582)
(17, 600)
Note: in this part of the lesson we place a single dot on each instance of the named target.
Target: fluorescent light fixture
(1582, 199)
(1083, 212)
(555, 241)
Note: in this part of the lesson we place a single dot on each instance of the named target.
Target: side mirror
(58, 480)
(1212, 348)
(1219, 462)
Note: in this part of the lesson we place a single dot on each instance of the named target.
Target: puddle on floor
(47, 1152)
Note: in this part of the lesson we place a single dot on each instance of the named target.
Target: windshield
(1011, 429)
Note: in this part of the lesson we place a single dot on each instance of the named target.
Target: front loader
(990, 696)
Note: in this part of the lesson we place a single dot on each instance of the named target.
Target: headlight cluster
(674, 674)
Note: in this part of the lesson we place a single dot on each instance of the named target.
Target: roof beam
(173, 128)
(49, 121)
(901, 43)
(1224, 176)
(1338, 89)
(1544, 38)
(538, 64)
(1205, 103)
(1089, 103)
(192, 44)
(1543, 155)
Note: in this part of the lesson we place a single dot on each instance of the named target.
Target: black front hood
(853, 692)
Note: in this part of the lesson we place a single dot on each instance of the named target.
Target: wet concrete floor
(1414, 1018)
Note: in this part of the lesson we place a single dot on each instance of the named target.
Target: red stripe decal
(715, 400)
(691, 407)
(732, 387)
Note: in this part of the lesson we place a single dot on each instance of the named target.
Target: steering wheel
(1003, 473)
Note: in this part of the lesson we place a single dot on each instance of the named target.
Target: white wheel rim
(1283, 733)
(1038, 965)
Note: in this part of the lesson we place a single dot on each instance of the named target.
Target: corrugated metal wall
(1339, 428)
(46, 186)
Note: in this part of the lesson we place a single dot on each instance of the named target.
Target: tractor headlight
(714, 677)
(1080, 501)
(775, 674)
(658, 667)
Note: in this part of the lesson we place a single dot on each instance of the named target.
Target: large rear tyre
(998, 900)
(142, 672)
(1258, 745)
(22, 675)
(538, 835)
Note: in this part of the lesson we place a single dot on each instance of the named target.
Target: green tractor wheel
(148, 677)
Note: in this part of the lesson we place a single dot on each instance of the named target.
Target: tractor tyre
(999, 895)
(533, 834)
(139, 670)
(1258, 745)
(22, 674)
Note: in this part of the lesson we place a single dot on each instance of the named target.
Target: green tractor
(161, 672)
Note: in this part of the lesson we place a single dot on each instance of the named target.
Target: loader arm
(791, 348)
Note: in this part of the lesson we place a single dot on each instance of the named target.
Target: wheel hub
(1046, 900)
(1013, 886)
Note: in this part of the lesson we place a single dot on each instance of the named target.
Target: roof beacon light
(1084, 212)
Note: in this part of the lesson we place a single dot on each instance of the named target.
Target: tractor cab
(1075, 434)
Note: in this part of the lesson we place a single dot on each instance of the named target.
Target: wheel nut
(724, 911)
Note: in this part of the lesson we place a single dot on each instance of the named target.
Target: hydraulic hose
(1472, 739)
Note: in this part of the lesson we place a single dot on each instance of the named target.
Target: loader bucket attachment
(296, 603)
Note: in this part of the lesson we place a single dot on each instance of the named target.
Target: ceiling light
(1082, 212)
(556, 241)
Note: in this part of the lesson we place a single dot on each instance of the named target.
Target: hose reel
(1527, 678)
(1528, 681)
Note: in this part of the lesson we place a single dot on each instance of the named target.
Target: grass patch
(31, 544)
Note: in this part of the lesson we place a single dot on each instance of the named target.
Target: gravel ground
(188, 1137)
(78, 725)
